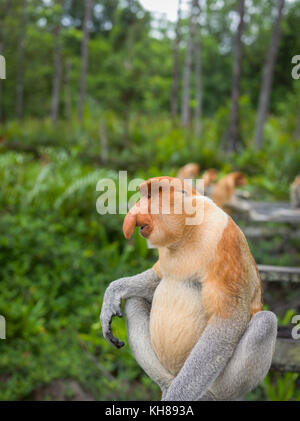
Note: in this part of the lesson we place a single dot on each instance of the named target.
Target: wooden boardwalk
(266, 211)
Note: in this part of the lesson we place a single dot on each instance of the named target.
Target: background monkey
(189, 171)
(194, 320)
(209, 178)
(224, 191)
(295, 193)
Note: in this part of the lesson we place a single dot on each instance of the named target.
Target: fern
(82, 183)
(39, 183)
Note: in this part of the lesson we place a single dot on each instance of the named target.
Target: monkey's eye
(184, 192)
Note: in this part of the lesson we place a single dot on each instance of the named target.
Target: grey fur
(231, 357)
(251, 360)
(193, 283)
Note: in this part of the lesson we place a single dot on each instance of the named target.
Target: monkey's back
(177, 320)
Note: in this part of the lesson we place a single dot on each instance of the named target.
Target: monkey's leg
(210, 356)
(137, 312)
(250, 362)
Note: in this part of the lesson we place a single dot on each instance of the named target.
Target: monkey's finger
(112, 339)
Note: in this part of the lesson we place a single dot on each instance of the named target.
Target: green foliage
(281, 388)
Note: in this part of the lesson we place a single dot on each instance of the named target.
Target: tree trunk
(185, 109)
(265, 91)
(233, 133)
(103, 141)
(198, 75)
(21, 54)
(297, 129)
(67, 90)
(3, 13)
(84, 55)
(57, 64)
(175, 78)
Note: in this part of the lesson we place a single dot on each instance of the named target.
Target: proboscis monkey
(189, 171)
(194, 320)
(209, 179)
(223, 193)
(295, 193)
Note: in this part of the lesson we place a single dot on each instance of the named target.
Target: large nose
(130, 221)
(138, 215)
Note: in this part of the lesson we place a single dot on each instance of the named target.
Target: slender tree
(103, 141)
(57, 64)
(198, 72)
(67, 89)
(3, 13)
(84, 55)
(185, 109)
(175, 76)
(233, 134)
(296, 134)
(21, 54)
(265, 91)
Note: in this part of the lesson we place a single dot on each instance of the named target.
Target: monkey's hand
(142, 285)
(111, 307)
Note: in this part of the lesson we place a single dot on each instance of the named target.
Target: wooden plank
(287, 355)
(266, 211)
(265, 232)
(279, 273)
(273, 212)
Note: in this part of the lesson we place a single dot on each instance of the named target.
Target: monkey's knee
(251, 360)
(261, 332)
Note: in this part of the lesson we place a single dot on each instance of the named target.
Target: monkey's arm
(142, 285)
(208, 358)
(137, 311)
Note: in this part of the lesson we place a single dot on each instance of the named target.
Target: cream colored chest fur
(177, 320)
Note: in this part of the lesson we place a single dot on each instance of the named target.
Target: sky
(169, 7)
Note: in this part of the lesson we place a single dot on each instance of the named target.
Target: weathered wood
(273, 212)
(279, 273)
(265, 211)
(266, 232)
(287, 355)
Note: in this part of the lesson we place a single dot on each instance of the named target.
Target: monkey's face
(161, 212)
